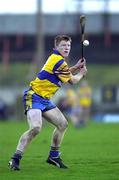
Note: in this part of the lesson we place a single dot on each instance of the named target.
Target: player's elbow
(72, 81)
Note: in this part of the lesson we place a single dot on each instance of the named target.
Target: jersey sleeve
(61, 69)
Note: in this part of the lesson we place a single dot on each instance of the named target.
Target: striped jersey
(53, 74)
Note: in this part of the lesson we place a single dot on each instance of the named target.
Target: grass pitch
(92, 153)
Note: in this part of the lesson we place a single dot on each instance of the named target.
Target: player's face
(64, 48)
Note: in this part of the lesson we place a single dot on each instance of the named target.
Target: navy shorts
(33, 101)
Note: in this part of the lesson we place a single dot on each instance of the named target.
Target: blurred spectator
(69, 105)
(63, 105)
(3, 110)
(74, 108)
(67, 102)
(71, 100)
(85, 100)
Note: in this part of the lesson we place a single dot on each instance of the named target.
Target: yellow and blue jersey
(48, 81)
(53, 74)
(85, 98)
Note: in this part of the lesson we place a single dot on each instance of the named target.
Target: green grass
(92, 153)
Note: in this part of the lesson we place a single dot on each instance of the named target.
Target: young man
(37, 101)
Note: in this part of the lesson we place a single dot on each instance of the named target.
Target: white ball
(86, 43)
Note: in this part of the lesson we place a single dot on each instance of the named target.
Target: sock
(19, 152)
(54, 152)
(17, 157)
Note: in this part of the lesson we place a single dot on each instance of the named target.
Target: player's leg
(35, 123)
(56, 117)
(86, 114)
(34, 119)
(81, 117)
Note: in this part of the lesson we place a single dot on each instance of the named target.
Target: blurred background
(27, 31)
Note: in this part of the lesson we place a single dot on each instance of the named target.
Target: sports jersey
(85, 96)
(53, 74)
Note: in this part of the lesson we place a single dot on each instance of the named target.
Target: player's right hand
(83, 70)
(81, 63)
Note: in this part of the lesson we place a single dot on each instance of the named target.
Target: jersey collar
(56, 52)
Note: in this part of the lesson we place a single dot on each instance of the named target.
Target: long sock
(54, 152)
(19, 152)
(17, 156)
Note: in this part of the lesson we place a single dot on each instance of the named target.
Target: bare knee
(35, 131)
(63, 126)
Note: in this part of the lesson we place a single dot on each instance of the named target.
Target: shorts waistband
(30, 88)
